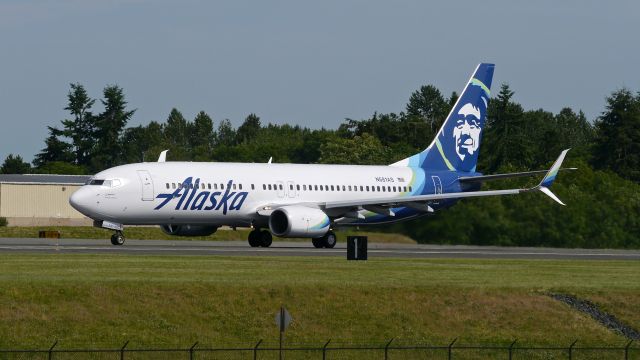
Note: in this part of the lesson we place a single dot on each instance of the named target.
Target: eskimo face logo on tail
(466, 131)
(190, 197)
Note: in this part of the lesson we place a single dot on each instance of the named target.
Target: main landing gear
(260, 238)
(117, 238)
(328, 241)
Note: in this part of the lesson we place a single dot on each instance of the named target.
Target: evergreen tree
(226, 133)
(203, 137)
(80, 129)
(506, 140)
(617, 145)
(109, 129)
(55, 149)
(13, 164)
(249, 129)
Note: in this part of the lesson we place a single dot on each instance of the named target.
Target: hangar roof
(44, 179)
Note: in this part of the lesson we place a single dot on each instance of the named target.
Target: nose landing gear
(117, 238)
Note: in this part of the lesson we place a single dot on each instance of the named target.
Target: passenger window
(264, 187)
(203, 186)
(167, 185)
(349, 187)
(378, 188)
(269, 186)
(240, 186)
(280, 186)
(298, 187)
(179, 186)
(221, 186)
(389, 188)
(290, 186)
(321, 188)
(332, 188)
(315, 187)
(209, 186)
(383, 190)
(361, 188)
(253, 187)
(337, 187)
(410, 188)
(215, 186)
(173, 185)
(367, 188)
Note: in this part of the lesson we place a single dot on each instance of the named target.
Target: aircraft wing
(383, 205)
(483, 178)
(543, 186)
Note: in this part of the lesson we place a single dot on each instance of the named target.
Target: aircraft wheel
(254, 238)
(317, 242)
(330, 240)
(265, 238)
(117, 238)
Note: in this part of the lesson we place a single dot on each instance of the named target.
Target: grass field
(154, 233)
(91, 300)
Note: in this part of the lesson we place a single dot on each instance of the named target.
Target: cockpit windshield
(105, 183)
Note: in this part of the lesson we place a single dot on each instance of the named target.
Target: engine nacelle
(298, 221)
(188, 230)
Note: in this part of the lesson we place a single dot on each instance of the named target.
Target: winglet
(163, 156)
(548, 179)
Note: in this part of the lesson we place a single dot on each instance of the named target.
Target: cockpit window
(105, 183)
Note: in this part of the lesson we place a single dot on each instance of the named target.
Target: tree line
(603, 195)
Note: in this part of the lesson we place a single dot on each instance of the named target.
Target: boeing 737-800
(302, 200)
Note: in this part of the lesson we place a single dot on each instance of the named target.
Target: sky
(311, 63)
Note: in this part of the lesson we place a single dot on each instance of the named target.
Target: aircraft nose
(80, 200)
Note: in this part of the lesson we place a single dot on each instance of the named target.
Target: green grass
(154, 233)
(102, 300)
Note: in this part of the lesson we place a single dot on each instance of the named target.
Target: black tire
(117, 239)
(318, 242)
(330, 240)
(265, 238)
(254, 238)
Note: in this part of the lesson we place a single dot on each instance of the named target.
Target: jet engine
(188, 230)
(298, 221)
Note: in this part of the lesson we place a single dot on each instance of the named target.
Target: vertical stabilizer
(457, 143)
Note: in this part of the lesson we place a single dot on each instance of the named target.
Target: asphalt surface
(284, 248)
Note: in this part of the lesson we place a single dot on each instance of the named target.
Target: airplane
(303, 200)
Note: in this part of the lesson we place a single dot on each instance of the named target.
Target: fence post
(122, 350)
(451, 348)
(51, 349)
(386, 349)
(511, 349)
(255, 350)
(626, 350)
(571, 349)
(324, 350)
(191, 350)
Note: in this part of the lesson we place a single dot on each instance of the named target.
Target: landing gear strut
(117, 238)
(258, 238)
(328, 241)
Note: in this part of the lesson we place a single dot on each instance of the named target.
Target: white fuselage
(232, 193)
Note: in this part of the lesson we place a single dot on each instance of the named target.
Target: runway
(284, 248)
